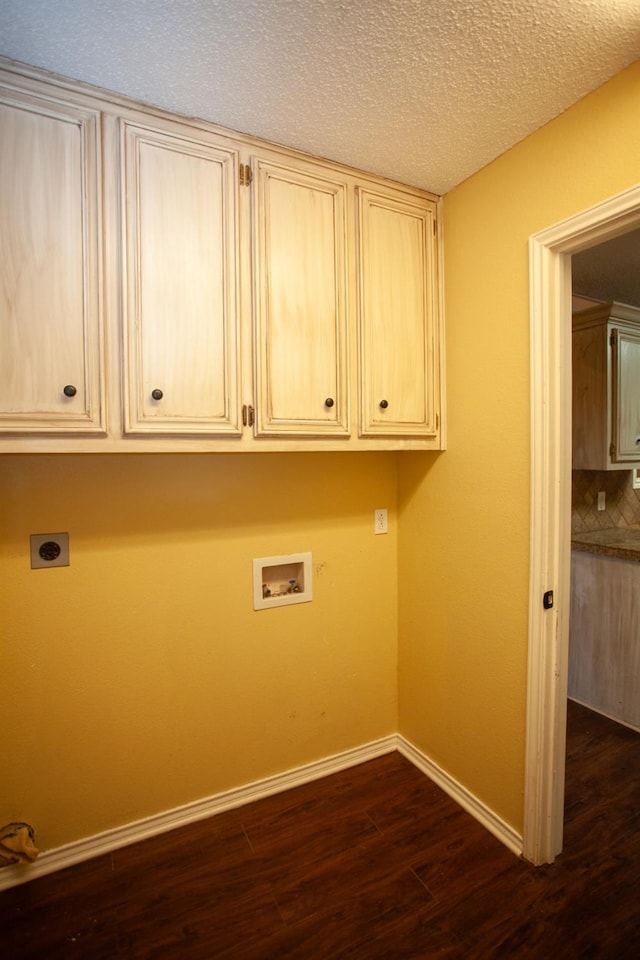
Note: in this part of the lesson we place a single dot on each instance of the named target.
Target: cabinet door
(299, 217)
(50, 288)
(397, 306)
(626, 394)
(181, 292)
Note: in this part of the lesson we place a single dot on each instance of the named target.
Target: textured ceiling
(422, 91)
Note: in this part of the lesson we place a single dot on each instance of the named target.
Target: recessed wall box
(278, 581)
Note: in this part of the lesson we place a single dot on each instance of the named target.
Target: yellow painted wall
(140, 677)
(464, 516)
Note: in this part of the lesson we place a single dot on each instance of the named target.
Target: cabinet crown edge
(112, 102)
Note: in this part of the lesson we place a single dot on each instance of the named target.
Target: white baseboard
(608, 716)
(101, 843)
(467, 800)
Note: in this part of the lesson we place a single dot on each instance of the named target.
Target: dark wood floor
(374, 863)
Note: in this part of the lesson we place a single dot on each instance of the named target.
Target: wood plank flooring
(373, 863)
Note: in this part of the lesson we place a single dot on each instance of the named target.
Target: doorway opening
(550, 253)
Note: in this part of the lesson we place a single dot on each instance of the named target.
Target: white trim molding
(550, 338)
(467, 800)
(101, 843)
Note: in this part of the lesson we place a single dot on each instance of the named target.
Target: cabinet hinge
(246, 175)
(612, 338)
(612, 450)
(248, 415)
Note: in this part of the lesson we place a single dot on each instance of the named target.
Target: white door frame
(550, 332)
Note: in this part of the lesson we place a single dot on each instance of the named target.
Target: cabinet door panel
(181, 270)
(301, 332)
(397, 310)
(626, 376)
(50, 320)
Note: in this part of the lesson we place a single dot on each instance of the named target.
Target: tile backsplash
(622, 501)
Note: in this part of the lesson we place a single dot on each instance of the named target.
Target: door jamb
(550, 340)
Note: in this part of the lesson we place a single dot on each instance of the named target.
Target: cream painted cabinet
(300, 275)
(180, 281)
(626, 400)
(604, 647)
(51, 374)
(167, 284)
(606, 388)
(397, 315)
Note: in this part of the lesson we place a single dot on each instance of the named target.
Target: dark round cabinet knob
(157, 394)
(69, 390)
(329, 402)
(384, 404)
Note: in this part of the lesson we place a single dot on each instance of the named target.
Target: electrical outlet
(602, 500)
(380, 521)
(49, 550)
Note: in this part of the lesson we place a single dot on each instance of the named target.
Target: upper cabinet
(301, 309)
(398, 354)
(51, 376)
(606, 387)
(626, 397)
(180, 303)
(168, 284)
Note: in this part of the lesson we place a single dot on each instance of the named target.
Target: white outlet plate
(380, 520)
(49, 550)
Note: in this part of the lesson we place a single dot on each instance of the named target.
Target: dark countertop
(621, 542)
